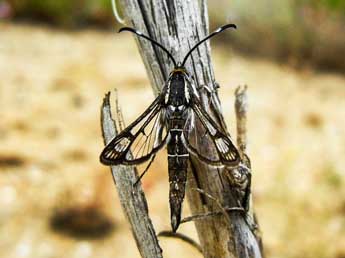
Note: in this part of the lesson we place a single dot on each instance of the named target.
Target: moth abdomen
(177, 184)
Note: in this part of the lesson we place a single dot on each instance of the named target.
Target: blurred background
(59, 58)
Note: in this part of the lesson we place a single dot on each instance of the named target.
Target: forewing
(140, 140)
(210, 132)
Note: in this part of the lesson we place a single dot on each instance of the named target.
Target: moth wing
(226, 152)
(140, 140)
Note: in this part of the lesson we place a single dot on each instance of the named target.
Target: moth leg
(206, 88)
(211, 214)
(209, 196)
(144, 172)
(223, 210)
(214, 101)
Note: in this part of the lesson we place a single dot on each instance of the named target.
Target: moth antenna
(140, 34)
(217, 31)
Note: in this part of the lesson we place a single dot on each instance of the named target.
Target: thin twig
(241, 107)
(182, 237)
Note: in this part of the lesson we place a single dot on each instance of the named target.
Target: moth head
(179, 69)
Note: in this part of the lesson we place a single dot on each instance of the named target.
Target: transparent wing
(140, 140)
(210, 132)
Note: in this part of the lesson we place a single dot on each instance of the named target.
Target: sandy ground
(57, 200)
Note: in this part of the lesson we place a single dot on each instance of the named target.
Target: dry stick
(241, 109)
(182, 237)
(119, 115)
(132, 199)
(178, 25)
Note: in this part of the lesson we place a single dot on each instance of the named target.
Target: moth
(169, 120)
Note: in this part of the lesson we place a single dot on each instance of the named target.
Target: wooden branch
(178, 25)
(241, 110)
(132, 198)
(241, 107)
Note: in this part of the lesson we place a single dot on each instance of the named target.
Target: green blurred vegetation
(337, 5)
(298, 32)
(309, 32)
(64, 12)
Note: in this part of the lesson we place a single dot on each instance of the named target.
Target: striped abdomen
(178, 163)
